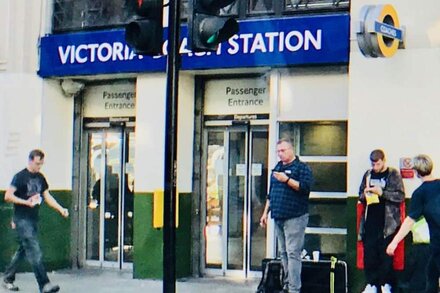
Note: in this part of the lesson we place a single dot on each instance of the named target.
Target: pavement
(100, 281)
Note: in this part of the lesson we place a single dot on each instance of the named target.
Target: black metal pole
(169, 229)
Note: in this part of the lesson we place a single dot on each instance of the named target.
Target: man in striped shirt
(288, 202)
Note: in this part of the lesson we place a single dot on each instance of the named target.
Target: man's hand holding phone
(34, 200)
(375, 189)
(280, 176)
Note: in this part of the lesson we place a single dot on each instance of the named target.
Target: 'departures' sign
(322, 39)
(236, 99)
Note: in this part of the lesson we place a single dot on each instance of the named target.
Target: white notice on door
(240, 170)
(219, 167)
(257, 169)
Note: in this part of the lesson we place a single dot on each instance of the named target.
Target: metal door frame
(124, 129)
(248, 129)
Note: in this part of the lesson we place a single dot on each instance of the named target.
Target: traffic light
(206, 28)
(144, 33)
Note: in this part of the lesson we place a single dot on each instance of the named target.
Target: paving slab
(104, 281)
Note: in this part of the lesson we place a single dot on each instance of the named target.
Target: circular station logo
(379, 33)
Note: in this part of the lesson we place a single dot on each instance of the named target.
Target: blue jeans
(432, 272)
(290, 234)
(29, 247)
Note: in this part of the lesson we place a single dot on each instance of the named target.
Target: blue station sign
(388, 30)
(280, 42)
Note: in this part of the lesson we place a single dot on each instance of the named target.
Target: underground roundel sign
(379, 33)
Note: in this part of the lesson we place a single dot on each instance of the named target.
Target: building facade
(73, 88)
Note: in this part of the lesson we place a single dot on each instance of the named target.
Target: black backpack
(272, 276)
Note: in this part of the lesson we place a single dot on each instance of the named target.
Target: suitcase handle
(333, 261)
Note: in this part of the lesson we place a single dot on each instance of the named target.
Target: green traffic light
(207, 27)
(212, 39)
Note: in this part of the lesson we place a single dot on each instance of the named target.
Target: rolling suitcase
(324, 276)
(272, 276)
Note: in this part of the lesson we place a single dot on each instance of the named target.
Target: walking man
(381, 191)
(288, 202)
(27, 191)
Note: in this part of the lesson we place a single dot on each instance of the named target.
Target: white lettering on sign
(244, 117)
(269, 42)
(246, 43)
(90, 53)
(388, 31)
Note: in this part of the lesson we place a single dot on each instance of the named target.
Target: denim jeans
(29, 247)
(432, 272)
(290, 234)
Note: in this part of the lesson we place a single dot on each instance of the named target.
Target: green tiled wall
(148, 241)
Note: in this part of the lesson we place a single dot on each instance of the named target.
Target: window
(260, 6)
(230, 9)
(75, 15)
(323, 146)
(71, 15)
(323, 139)
(310, 5)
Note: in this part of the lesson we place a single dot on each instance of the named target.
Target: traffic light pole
(170, 178)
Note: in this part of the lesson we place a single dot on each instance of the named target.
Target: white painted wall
(308, 94)
(150, 134)
(57, 135)
(4, 33)
(150, 109)
(20, 125)
(33, 112)
(21, 29)
(394, 103)
(185, 133)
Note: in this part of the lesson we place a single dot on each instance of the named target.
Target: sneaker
(386, 288)
(370, 289)
(9, 286)
(49, 288)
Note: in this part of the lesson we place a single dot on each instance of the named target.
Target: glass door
(236, 188)
(110, 181)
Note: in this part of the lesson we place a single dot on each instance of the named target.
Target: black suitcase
(272, 276)
(323, 277)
